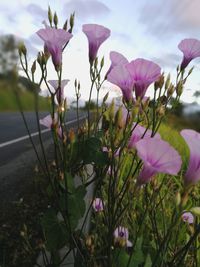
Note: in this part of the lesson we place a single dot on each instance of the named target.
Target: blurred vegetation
(9, 85)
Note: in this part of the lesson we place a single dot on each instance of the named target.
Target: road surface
(17, 158)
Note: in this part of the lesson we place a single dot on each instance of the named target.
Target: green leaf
(148, 262)
(54, 230)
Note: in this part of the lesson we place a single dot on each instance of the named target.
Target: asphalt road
(17, 158)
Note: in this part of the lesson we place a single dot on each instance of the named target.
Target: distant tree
(91, 105)
(8, 54)
(196, 94)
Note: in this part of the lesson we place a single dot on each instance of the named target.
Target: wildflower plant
(144, 203)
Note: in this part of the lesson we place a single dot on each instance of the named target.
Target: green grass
(8, 101)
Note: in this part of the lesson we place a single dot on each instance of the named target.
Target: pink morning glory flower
(59, 91)
(192, 138)
(116, 60)
(97, 204)
(54, 40)
(48, 122)
(96, 35)
(190, 49)
(143, 72)
(121, 77)
(121, 234)
(188, 217)
(158, 157)
(138, 133)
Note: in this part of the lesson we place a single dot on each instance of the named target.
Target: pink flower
(192, 139)
(158, 157)
(54, 40)
(188, 217)
(60, 91)
(96, 35)
(97, 204)
(190, 49)
(121, 77)
(116, 60)
(143, 72)
(121, 234)
(48, 122)
(138, 133)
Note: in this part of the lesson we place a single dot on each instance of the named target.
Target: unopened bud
(195, 211)
(111, 110)
(105, 97)
(39, 59)
(179, 88)
(170, 90)
(191, 70)
(75, 83)
(79, 85)
(159, 83)
(102, 62)
(96, 62)
(178, 198)
(22, 49)
(71, 136)
(65, 25)
(167, 81)
(161, 111)
(119, 118)
(50, 16)
(55, 19)
(33, 68)
(71, 21)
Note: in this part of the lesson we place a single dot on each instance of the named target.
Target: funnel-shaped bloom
(116, 60)
(121, 236)
(139, 133)
(143, 72)
(158, 157)
(54, 40)
(188, 217)
(190, 49)
(49, 123)
(192, 139)
(96, 35)
(97, 204)
(121, 77)
(59, 91)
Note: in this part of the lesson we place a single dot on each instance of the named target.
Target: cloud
(121, 36)
(171, 17)
(36, 10)
(86, 8)
(168, 60)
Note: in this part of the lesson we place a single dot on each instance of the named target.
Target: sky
(139, 28)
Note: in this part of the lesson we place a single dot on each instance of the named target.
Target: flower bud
(179, 88)
(71, 21)
(65, 25)
(191, 70)
(96, 62)
(22, 49)
(33, 68)
(71, 136)
(170, 90)
(167, 81)
(119, 118)
(39, 59)
(102, 62)
(159, 83)
(55, 19)
(50, 16)
(195, 211)
(105, 97)
(178, 198)
(160, 111)
(75, 83)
